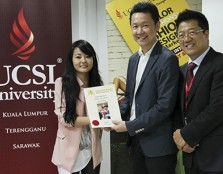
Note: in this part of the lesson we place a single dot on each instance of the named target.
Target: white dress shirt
(141, 67)
(198, 60)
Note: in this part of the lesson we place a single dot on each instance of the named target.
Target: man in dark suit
(150, 97)
(201, 100)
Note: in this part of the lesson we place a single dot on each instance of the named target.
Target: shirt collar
(200, 58)
(148, 52)
(80, 82)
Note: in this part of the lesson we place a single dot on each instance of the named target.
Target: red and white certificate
(102, 105)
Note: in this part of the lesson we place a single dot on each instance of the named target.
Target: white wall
(212, 9)
(89, 23)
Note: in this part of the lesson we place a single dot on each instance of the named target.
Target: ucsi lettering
(127, 12)
(40, 72)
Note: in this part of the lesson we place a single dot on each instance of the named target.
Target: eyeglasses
(191, 33)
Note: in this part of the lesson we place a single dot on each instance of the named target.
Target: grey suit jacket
(204, 113)
(155, 100)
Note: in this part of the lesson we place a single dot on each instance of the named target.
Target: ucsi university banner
(35, 36)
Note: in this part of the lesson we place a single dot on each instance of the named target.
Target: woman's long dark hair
(70, 85)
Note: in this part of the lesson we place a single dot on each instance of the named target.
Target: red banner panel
(35, 37)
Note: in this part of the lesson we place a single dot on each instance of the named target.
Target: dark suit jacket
(204, 113)
(154, 101)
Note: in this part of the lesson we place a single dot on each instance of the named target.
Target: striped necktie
(190, 78)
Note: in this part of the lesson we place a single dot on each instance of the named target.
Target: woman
(77, 147)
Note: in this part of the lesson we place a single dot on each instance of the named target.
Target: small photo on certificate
(103, 111)
(102, 105)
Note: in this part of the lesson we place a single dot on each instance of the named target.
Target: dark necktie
(190, 78)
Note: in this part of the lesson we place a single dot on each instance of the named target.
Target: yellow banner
(119, 10)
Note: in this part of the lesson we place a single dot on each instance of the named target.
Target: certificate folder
(102, 105)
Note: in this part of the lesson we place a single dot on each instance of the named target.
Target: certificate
(102, 105)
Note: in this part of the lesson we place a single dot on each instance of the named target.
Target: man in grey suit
(150, 97)
(201, 101)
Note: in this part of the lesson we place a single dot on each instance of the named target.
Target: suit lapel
(153, 57)
(182, 92)
(134, 70)
(205, 65)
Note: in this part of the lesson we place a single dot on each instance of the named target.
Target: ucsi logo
(121, 14)
(41, 75)
(118, 14)
(22, 37)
